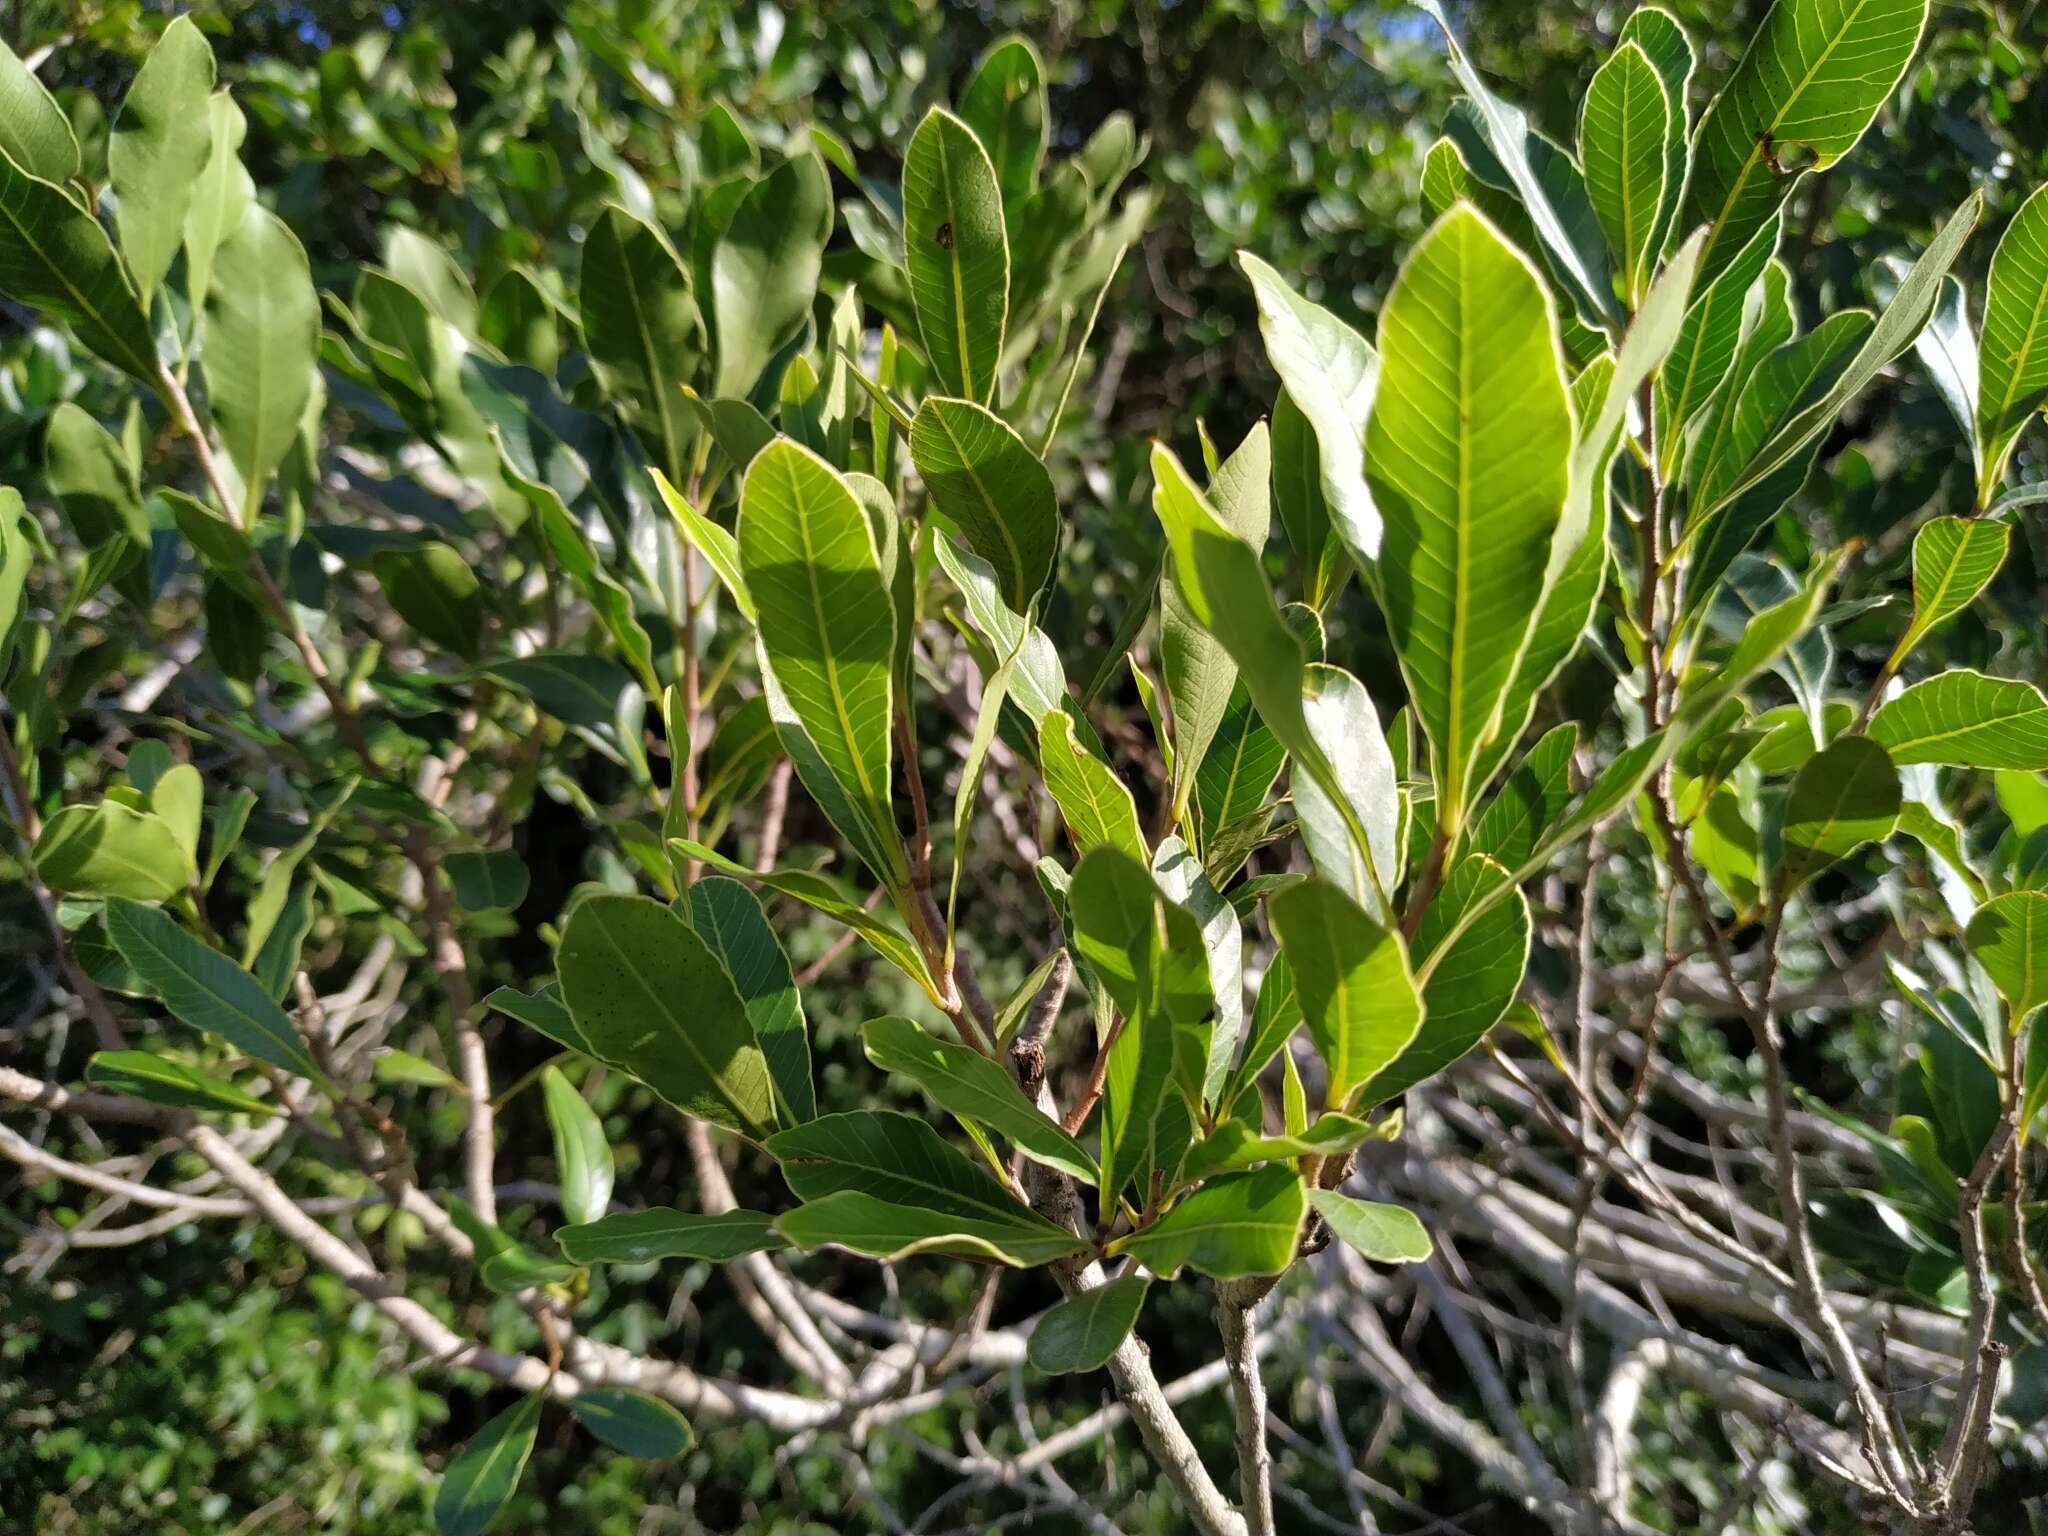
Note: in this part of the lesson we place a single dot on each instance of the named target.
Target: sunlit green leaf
(1803, 92)
(2008, 936)
(989, 483)
(974, 1087)
(111, 849)
(1624, 127)
(1469, 465)
(957, 254)
(1386, 1234)
(1968, 719)
(1846, 795)
(1357, 994)
(161, 139)
(1243, 1224)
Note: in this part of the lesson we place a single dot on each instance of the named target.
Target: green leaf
(764, 270)
(1967, 719)
(865, 1224)
(1341, 719)
(718, 547)
(1529, 800)
(1082, 1332)
(487, 879)
(1664, 43)
(220, 198)
(519, 319)
(1037, 683)
(1198, 671)
(425, 266)
(1445, 178)
(55, 257)
(111, 849)
(970, 1085)
(1238, 773)
(1386, 1234)
(1954, 559)
(821, 894)
(641, 324)
(1846, 795)
(1275, 1018)
(435, 591)
(989, 484)
(1356, 991)
(480, 1481)
(518, 1268)
(1181, 879)
(1331, 373)
(956, 254)
(1948, 351)
(995, 691)
(262, 346)
(739, 429)
(2012, 364)
(15, 554)
(1468, 454)
(652, 1000)
(583, 1158)
(1095, 804)
(161, 139)
(920, 1187)
(1005, 107)
(1233, 1145)
(1474, 959)
(1243, 1224)
(392, 1065)
(34, 132)
(1893, 333)
(1299, 503)
(575, 689)
(639, 1237)
(93, 479)
(1625, 130)
(1708, 338)
(146, 1075)
(827, 630)
(204, 987)
(1769, 382)
(2008, 936)
(1149, 955)
(544, 1012)
(633, 1423)
(729, 919)
(1728, 846)
(1225, 586)
(1578, 559)
(1802, 94)
(1541, 177)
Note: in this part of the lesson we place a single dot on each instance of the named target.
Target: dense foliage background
(175, 1395)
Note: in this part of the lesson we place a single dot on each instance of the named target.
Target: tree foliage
(482, 687)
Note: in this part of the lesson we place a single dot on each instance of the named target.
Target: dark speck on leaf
(945, 237)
